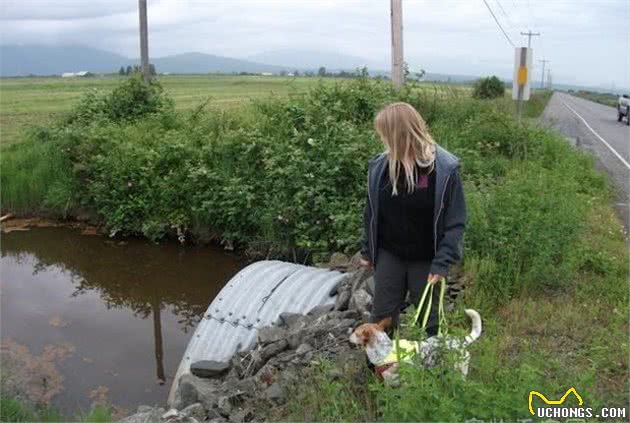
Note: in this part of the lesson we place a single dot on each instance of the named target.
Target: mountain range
(25, 60)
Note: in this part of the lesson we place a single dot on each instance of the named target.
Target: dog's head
(366, 334)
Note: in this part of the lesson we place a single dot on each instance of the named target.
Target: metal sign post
(521, 78)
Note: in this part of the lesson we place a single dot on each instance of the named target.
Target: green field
(607, 99)
(26, 102)
(39, 101)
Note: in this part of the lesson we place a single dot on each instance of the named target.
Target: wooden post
(397, 43)
(144, 40)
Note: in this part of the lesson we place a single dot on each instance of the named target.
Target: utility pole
(548, 78)
(144, 40)
(530, 34)
(397, 43)
(542, 78)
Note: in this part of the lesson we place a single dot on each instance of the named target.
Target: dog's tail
(475, 318)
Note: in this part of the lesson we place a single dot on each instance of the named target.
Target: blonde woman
(415, 214)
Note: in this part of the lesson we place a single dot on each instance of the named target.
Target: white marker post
(521, 78)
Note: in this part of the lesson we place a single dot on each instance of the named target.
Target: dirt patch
(13, 224)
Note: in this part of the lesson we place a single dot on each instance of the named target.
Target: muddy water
(85, 319)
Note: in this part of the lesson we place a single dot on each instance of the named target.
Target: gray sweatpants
(399, 283)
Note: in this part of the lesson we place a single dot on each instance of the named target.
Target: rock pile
(245, 388)
(256, 381)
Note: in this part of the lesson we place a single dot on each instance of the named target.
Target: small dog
(382, 354)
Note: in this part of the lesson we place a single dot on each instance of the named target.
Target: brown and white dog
(382, 354)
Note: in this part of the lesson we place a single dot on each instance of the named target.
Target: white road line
(597, 135)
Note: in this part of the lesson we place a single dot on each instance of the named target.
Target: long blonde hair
(407, 143)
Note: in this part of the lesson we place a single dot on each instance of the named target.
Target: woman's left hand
(434, 278)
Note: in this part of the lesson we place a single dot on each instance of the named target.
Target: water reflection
(97, 295)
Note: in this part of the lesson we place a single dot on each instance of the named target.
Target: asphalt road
(593, 127)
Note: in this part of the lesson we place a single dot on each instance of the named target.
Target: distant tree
(136, 69)
(296, 73)
(322, 71)
(128, 71)
(152, 70)
(406, 73)
(362, 72)
(121, 71)
(283, 73)
(490, 87)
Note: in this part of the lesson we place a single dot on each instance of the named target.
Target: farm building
(82, 74)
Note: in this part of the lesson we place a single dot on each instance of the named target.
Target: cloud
(587, 42)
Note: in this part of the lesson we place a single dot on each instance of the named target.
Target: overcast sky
(587, 42)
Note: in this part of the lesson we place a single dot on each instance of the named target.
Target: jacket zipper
(438, 216)
(371, 219)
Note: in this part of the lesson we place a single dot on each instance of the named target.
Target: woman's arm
(451, 246)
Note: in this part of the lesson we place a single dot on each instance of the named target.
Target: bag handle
(426, 303)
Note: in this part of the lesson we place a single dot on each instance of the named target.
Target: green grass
(25, 102)
(607, 99)
(40, 101)
(532, 108)
(14, 410)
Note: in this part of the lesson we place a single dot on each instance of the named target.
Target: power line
(542, 78)
(504, 13)
(507, 37)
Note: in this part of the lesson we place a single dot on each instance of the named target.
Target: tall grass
(14, 410)
(36, 178)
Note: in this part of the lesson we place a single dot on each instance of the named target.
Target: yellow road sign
(522, 75)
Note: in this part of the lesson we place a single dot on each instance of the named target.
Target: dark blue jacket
(449, 216)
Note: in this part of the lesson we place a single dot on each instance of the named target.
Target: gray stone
(359, 277)
(196, 411)
(144, 409)
(320, 310)
(224, 405)
(214, 415)
(351, 314)
(355, 262)
(247, 386)
(343, 299)
(369, 285)
(242, 415)
(152, 416)
(273, 349)
(346, 323)
(275, 393)
(304, 348)
(270, 334)
(192, 389)
(290, 319)
(338, 261)
(361, 301)
(170, 414)
(209, 368)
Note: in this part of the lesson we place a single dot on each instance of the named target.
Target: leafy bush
(488, 88)
(132, 99)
